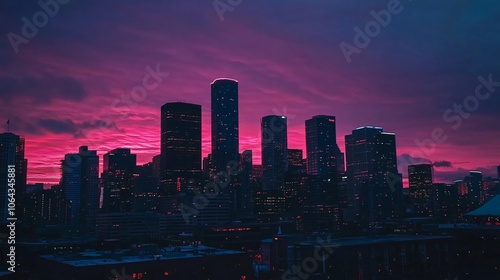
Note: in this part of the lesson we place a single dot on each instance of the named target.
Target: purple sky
(81, 66)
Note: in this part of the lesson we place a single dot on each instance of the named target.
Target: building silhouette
(274, 152)
(225, 123)
(47, 207)
(248, 185)
(321, 146)
(145, 189)
(296, 162)
(320, 192)
(374, 184)
(420, 181)
(118, 180)
(180, 147)
(474, 190)
(80, 182)
(12, 154)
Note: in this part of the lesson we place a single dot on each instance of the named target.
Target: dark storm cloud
(285, 53)
(69, 127)
(461, 173)
(42, 89)
(442, 163)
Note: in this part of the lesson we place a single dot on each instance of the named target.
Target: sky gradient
(80, 68)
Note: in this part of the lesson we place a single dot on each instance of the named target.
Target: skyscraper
(225, 123)
(180, 147)
(117, 180)
(321, 146)
(274, 152)
(12, 154)
(498, 172)
(374, 184)
(420, 180)
(320, 206)
(80, 183)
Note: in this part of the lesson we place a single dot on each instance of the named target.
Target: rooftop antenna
(8, 125)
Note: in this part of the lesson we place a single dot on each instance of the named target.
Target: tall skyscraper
(274, 152)
(420, 180)
(180, 147)
(320, 195)
(12, 154)
(225, 123)
(117, 180)
(374, 184)
(498, 172)
(321, 146)
(80, 183)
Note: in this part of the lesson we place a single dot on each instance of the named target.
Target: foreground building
(379, 257)
(147, 262)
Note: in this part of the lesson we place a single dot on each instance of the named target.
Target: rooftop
(148, 253)
(354, 241)
(490, 209)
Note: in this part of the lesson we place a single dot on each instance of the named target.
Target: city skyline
(404, 160)
(299, 73)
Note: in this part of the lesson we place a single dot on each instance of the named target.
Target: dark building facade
(248, 186)
(474, 189)
(374, 184)
(118, 180)
(225, 123)
(420, 180)
(321, 146)
(145, 190)
(148, 262)
(12, 154)
(380, 257)
(180, 147)
(296, 162)
(444, 199)
(80, 182)
(274, 152)
(47, 207)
